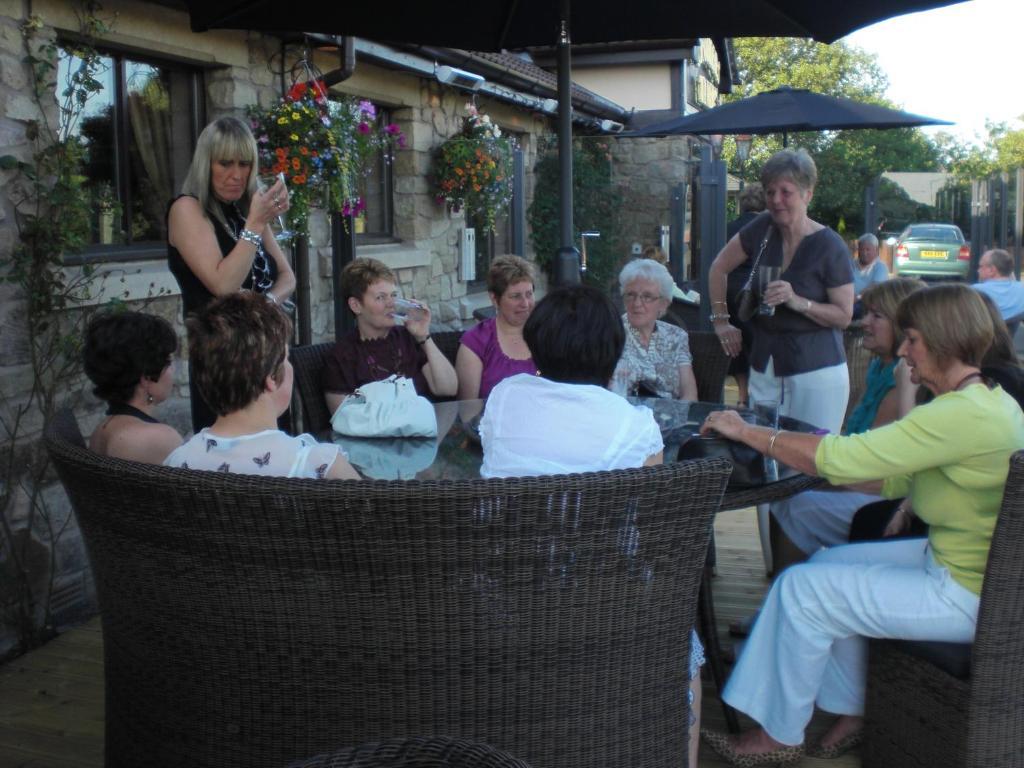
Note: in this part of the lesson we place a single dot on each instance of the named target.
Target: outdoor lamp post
(743, 142)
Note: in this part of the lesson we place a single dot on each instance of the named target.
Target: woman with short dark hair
(564, 420)
(129, 357)
(951, 458)
(239, 350)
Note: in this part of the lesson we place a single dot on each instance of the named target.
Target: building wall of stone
(239, 69)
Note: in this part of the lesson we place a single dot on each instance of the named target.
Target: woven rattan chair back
(710, 365)
(857, 361)
(920, 715)
(448, 343)
(254, 621)
(435, 752)
(308, 361)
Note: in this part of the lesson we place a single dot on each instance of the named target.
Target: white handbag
(387, 408)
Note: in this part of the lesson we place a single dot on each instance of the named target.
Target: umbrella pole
(567, 260)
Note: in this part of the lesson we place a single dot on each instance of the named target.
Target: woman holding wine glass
(219, 238)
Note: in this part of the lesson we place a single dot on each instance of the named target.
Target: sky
(961, 63)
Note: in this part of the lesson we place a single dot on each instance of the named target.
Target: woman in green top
(951, 458)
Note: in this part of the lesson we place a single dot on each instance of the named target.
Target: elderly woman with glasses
(218, 231)
(656, 358)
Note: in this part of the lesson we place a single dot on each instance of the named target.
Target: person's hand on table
(730, 337)
(728, 424)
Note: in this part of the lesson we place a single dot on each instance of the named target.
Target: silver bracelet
(770, 453)
(250, 237)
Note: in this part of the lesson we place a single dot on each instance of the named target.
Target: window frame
(149, 250)
(386, 168)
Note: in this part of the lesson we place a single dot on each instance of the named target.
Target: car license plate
(933, 254)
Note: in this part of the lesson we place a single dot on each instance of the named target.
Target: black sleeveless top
(123, 409)
(194, 295)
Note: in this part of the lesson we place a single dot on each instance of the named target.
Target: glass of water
(766, 275)
(265, 181)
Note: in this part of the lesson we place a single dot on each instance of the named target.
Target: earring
(149, 399)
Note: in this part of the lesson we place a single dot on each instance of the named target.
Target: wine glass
(265, 181)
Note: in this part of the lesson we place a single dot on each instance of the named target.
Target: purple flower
(264, 139)
(392, 129)
(367, 108)
(401, 141)
(364, 128)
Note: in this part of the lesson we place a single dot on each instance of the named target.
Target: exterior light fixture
(460, 78)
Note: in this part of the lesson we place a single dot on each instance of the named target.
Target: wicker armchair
(255, 621)
(710, 365)
(308, 362)
(921, 714)
(436, 752)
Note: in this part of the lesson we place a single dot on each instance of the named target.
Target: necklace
(260, 276)
(374, 353)
(965, 379)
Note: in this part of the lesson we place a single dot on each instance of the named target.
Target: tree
(847, 160)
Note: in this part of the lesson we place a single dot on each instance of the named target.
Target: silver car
(932, 252)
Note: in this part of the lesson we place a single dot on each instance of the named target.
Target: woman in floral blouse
(656, 359)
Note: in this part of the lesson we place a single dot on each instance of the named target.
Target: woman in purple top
(495, 349)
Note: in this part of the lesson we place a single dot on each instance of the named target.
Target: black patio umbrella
(495, 25)
(787, 109)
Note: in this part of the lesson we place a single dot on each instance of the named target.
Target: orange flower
(300, 179)
(281, 154)
(296, 164)
(304, 150)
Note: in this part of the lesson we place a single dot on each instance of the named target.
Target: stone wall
(238, 70)
(647, 171)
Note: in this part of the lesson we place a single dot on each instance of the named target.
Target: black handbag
(748, 466)
(747, 298)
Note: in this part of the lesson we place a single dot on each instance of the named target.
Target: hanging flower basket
(324, 147)
(473, 169)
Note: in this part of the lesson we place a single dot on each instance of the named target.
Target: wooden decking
(51, 700)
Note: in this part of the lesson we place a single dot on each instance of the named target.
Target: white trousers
(816, 519)
(818, 397)
(808, 645)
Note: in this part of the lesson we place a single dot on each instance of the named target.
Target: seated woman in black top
(129, 357)
(218, 234)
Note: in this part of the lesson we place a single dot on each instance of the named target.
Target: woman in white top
(656, 355)
(238, 346)
(564, 420)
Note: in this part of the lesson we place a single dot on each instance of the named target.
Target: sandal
(841, 747)
(722, 744)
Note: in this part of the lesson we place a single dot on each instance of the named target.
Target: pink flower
(392, 129)
(364, 128)
(401, 141)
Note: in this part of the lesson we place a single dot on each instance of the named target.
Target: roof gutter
(536, 100)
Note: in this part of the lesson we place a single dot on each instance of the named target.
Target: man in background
(995, 270)
(868, 270)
